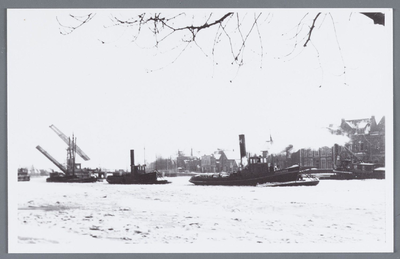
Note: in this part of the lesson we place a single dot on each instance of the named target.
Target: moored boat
(351, 171)
(360, 170)
(23, 175)
(349, 166)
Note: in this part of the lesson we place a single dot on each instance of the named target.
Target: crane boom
(354, 155)
(62, 168)
(66, 140)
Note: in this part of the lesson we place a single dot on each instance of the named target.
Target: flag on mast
(270, 139)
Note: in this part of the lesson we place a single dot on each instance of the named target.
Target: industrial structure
(362, 156)
(73, 172)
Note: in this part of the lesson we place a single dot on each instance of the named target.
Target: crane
(67, 141)
(354, 155)
(62, 168)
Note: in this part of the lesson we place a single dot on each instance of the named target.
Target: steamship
(137, 175)
(257, 171)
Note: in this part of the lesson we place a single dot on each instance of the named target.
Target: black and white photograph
(200, 130)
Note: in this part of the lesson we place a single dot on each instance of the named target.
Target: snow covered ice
(182, 217)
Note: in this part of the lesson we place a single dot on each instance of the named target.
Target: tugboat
(23, 175)
(137, 175)
(257, 171)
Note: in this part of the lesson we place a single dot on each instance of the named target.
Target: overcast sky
(114, 94)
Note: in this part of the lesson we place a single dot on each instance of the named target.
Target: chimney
(242, 146)
(132, 161)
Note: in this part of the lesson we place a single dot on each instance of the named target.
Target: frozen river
(182, 217)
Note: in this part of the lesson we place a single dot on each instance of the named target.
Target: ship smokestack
(132, 161)
(242, 145)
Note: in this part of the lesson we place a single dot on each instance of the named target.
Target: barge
(72, 173)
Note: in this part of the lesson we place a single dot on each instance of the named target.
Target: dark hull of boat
(24, 178)
(237, 180)
(71, 179)
(147, 178)
(345, 175)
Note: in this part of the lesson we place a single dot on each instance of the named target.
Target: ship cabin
(78, 171)
(23, 171)
(258, 165)
(364, 167)
(139, 169)
(358, 167)
(23, 174)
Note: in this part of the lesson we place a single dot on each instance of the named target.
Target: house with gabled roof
(366, 144)
(208, 164)
(225, 161)
(219, 162)
(367, 138)
(359, 126)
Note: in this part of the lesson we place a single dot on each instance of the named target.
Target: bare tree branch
(81, 19)
(299, 28)
(196, 29)
(261, 44)
(230, 28)
(311, 30)
(241, 49)
(338, 44)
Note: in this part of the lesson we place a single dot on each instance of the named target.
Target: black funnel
(242, 145)
(132, 161)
